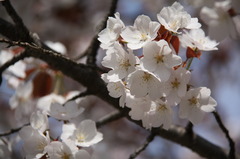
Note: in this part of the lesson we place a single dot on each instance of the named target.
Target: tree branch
(225, 131)
(15, 59)
(143, 147)
(23, 31)
(13, 131)
(80, 95)
(109, 118)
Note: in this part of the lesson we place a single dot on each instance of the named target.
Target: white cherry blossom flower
(196, 40)
(138, 106)
(116, 90)
(160, 114)
(65, 112)
(176, 86)
(34, 142)
(111, 33)
(121, 62)
(84, 135)
(39, 121)
(144, 30)
(65, 150)
(61, 150)
(196, 103)
(45, 102)
(175, 17)
(142, 83)
(219, 21)
(67, 131)
(159, 59)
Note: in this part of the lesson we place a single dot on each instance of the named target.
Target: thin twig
(27, 45)
(82, 94)
(25, 34)
(13, 130)
(15, 59)
(189, 128)
(143, 147)
(91, 51)
(109, 118)
(231, 154)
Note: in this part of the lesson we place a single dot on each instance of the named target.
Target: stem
(231, 154)
(189, 63)
(143, 147)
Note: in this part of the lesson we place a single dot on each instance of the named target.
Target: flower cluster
(55, 131)
(146, 72)
(38, 142)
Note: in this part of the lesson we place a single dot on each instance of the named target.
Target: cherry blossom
(159, 114)
(39, 121)
(196, 40)
(45, 102)
(84, 135)
(116, 90)
(196, 103)
(138, 106)
(34, 142)
(142, 83)
(120, 61)
(111, 33)
(60, 150)
(66, 111)
(143, 31)
(159, 59)
(176, 86)
(219, 20)
(175, 17)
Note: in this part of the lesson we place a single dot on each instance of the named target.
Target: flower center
(159, 58)
(144, 37)
(174, 24)
(146, 77)
(65, 156)
(125, 64)
(175, 83)
(193, 101)
(80, 137)
(161, 107)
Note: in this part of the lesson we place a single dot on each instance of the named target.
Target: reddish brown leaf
(175, 43)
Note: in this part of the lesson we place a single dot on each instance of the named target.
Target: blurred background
(75, 22)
